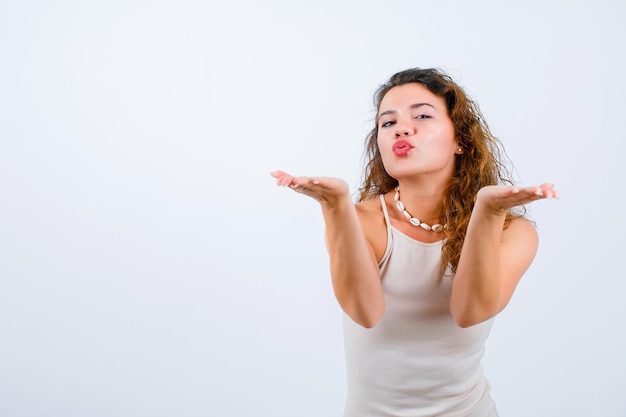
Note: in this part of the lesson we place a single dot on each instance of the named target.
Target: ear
(459, 149)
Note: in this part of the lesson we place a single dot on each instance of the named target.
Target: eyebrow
(412, 107)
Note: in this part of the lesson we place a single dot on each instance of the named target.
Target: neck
(414, 220)
(422, 200)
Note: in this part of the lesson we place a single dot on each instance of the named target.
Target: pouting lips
(401, 147)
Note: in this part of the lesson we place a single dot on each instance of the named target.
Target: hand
(500, 198)
(326, 190)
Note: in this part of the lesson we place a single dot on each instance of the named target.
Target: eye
(387, 124)
(423, 116)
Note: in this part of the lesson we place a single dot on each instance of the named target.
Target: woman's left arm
(492, 259)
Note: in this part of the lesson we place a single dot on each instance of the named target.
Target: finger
(532, 190)
(282, 178)
(549, 191)
(278, 174)
(515, 196)
(299, 181)
(528, 196)
(545, 190)
(308, 187)
(309, 183)
(297, 184)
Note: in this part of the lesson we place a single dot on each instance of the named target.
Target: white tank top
(416, 361)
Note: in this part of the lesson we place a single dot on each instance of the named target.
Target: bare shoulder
(369, 207)
(521, 239)
(370, 213)
(373, 224)
(520, 228)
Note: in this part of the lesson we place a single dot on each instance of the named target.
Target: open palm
(326, 190)
(501, 198)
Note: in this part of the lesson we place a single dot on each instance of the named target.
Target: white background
(150, 267)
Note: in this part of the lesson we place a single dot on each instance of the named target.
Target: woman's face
(415, 133)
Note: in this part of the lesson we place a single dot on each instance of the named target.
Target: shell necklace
(414, 220)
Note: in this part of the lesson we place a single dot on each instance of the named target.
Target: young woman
(430, 254)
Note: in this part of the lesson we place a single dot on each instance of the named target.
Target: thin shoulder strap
(385, 212)
(383, 262)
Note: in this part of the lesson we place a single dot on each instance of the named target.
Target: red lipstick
(401, 147)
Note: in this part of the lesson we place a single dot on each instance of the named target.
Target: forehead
(405, 95)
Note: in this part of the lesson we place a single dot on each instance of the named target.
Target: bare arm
(493, 260)
(353, 267)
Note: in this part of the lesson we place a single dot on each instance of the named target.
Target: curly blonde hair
(480, 164)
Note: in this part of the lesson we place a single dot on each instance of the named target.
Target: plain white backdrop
(150, 267)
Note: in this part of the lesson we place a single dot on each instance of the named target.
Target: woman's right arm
(353, 266)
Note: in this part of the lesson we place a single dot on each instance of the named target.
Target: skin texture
(413, 114)
(493, 259)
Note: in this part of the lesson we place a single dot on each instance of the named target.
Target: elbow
(367, 319)
(364, 311)
(465, 322)
(470, 314)
(370, 322)
(469, 319)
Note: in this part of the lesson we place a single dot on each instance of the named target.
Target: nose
(404, 129)
(402, 132)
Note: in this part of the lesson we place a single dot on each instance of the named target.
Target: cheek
(380, 144)
(381, 137)
(443, 137)
(384, 145)
(385, 153)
